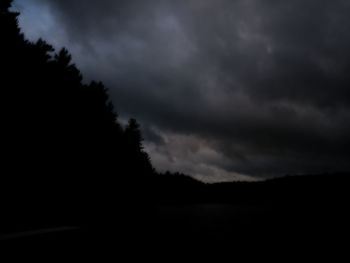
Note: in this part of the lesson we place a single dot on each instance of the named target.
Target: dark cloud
(259, 87)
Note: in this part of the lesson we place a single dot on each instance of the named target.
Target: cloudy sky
(224, 89)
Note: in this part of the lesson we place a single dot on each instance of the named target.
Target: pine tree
(133, 136)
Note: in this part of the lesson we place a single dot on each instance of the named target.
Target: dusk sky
(224, 89)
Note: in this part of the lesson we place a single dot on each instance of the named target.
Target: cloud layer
(224, 89)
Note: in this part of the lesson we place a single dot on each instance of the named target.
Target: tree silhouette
(133, 150)
(133, 136)
(62, 144)
(9, 23)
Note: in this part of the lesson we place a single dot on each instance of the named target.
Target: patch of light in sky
(37, 22)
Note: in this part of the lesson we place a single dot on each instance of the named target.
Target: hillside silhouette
(65, 156)
(62, 145)
(66, 160)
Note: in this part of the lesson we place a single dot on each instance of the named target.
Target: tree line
(61, 141)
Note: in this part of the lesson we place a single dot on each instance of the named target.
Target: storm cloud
(224, 89)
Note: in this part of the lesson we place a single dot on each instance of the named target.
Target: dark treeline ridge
(317, 189)
(64, 154)
(62, 146)
(66, 158)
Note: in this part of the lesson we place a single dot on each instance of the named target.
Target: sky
(224, 89)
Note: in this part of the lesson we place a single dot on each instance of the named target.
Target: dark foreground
(179, 230)
(287, 216)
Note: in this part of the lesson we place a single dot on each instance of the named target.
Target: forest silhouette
(62, 144)
(65, 155)
(67, 160)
